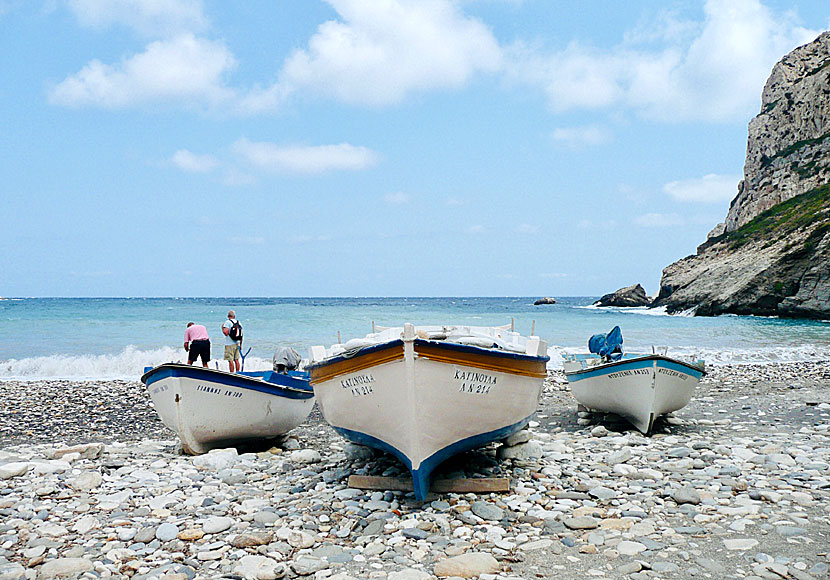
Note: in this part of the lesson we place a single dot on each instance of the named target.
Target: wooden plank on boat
(465, 485)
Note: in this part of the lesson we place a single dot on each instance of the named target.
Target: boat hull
(638, 389)
(209, 408)
(424, 400)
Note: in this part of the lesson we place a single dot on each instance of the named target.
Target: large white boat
(212, 408)
(429, 392)
(637, 387)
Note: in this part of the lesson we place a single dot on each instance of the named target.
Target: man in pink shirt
(197, 343)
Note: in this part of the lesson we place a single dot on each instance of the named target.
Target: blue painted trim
(631, 364)
(421, 477)
(481, 350)
(281, 385)
(361, 352)
(680, 367)
(611, 368)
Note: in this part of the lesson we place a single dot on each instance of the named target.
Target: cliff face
(788, 149)
(772, 256)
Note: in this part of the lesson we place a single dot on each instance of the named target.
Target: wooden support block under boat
(466, 485)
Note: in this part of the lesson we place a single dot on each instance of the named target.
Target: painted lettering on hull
(359, 385)
(671, 373)
(217, 391)
(474, 382)
(628, 373)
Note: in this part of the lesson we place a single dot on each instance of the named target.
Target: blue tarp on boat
(609, 344)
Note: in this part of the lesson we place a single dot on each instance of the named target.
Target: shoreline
(737, 484)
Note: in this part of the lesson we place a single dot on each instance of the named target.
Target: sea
(117, 338)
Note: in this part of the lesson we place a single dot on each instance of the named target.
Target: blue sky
(373, 147)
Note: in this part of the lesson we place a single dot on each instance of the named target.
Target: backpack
(235, 332)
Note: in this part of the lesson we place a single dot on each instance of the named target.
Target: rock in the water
(629, 296)
(545, 300)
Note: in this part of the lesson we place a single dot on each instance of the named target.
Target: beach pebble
(65, 567)
(467, 565)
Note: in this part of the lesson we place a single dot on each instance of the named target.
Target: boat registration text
(629, 373)
(359, 385)
(474, 382)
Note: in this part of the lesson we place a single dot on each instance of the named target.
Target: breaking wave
(128, 364)
(762, 355)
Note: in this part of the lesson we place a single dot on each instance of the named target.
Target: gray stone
(166, 532)
(487, 511)
(686, 494)
(581, 523)
(64, 567)
(307, 565)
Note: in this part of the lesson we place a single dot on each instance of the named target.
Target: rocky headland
(771, 256)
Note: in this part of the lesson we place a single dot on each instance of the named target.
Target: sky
(373, 147)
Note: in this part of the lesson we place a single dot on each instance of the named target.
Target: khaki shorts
(232, 351)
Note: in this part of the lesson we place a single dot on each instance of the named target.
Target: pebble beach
(735, 485)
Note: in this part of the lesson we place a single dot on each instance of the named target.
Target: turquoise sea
(118, 337)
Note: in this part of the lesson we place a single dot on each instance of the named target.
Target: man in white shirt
(233, 337)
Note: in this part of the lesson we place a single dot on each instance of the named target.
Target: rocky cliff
(772, 254)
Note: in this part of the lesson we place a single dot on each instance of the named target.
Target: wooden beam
(466, 485)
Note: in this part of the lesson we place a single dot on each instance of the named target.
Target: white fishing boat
(211, 408)
(429, 392)
(637, 387)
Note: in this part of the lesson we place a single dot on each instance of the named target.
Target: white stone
(216, 524)
(87, 480)
(14, 469)
(409, 574)
(259, 568)
(740, 544)
(522, 451)
(63, 567)
(217, 459)
(628, 548)
(305, 456)
(467, 565)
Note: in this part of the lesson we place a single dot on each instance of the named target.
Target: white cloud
(305, 159)
(659, 220)
(150, 17)
(527, 229)
(581, 137)
(193, 163)
(707, 189)
(397, 198)
(378, 53)
(184, 68)
(715, 75)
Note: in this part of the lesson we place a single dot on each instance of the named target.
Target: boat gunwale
(482, 355)
(242, 381)
(344, 360)
(627, 361)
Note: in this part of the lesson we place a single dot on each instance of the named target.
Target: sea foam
(128, 364)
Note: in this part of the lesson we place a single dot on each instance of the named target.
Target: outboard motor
(608, 346)
(286, 359)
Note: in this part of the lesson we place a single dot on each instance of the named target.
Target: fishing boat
(636, 386)
(429, 392)
(211, 408)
